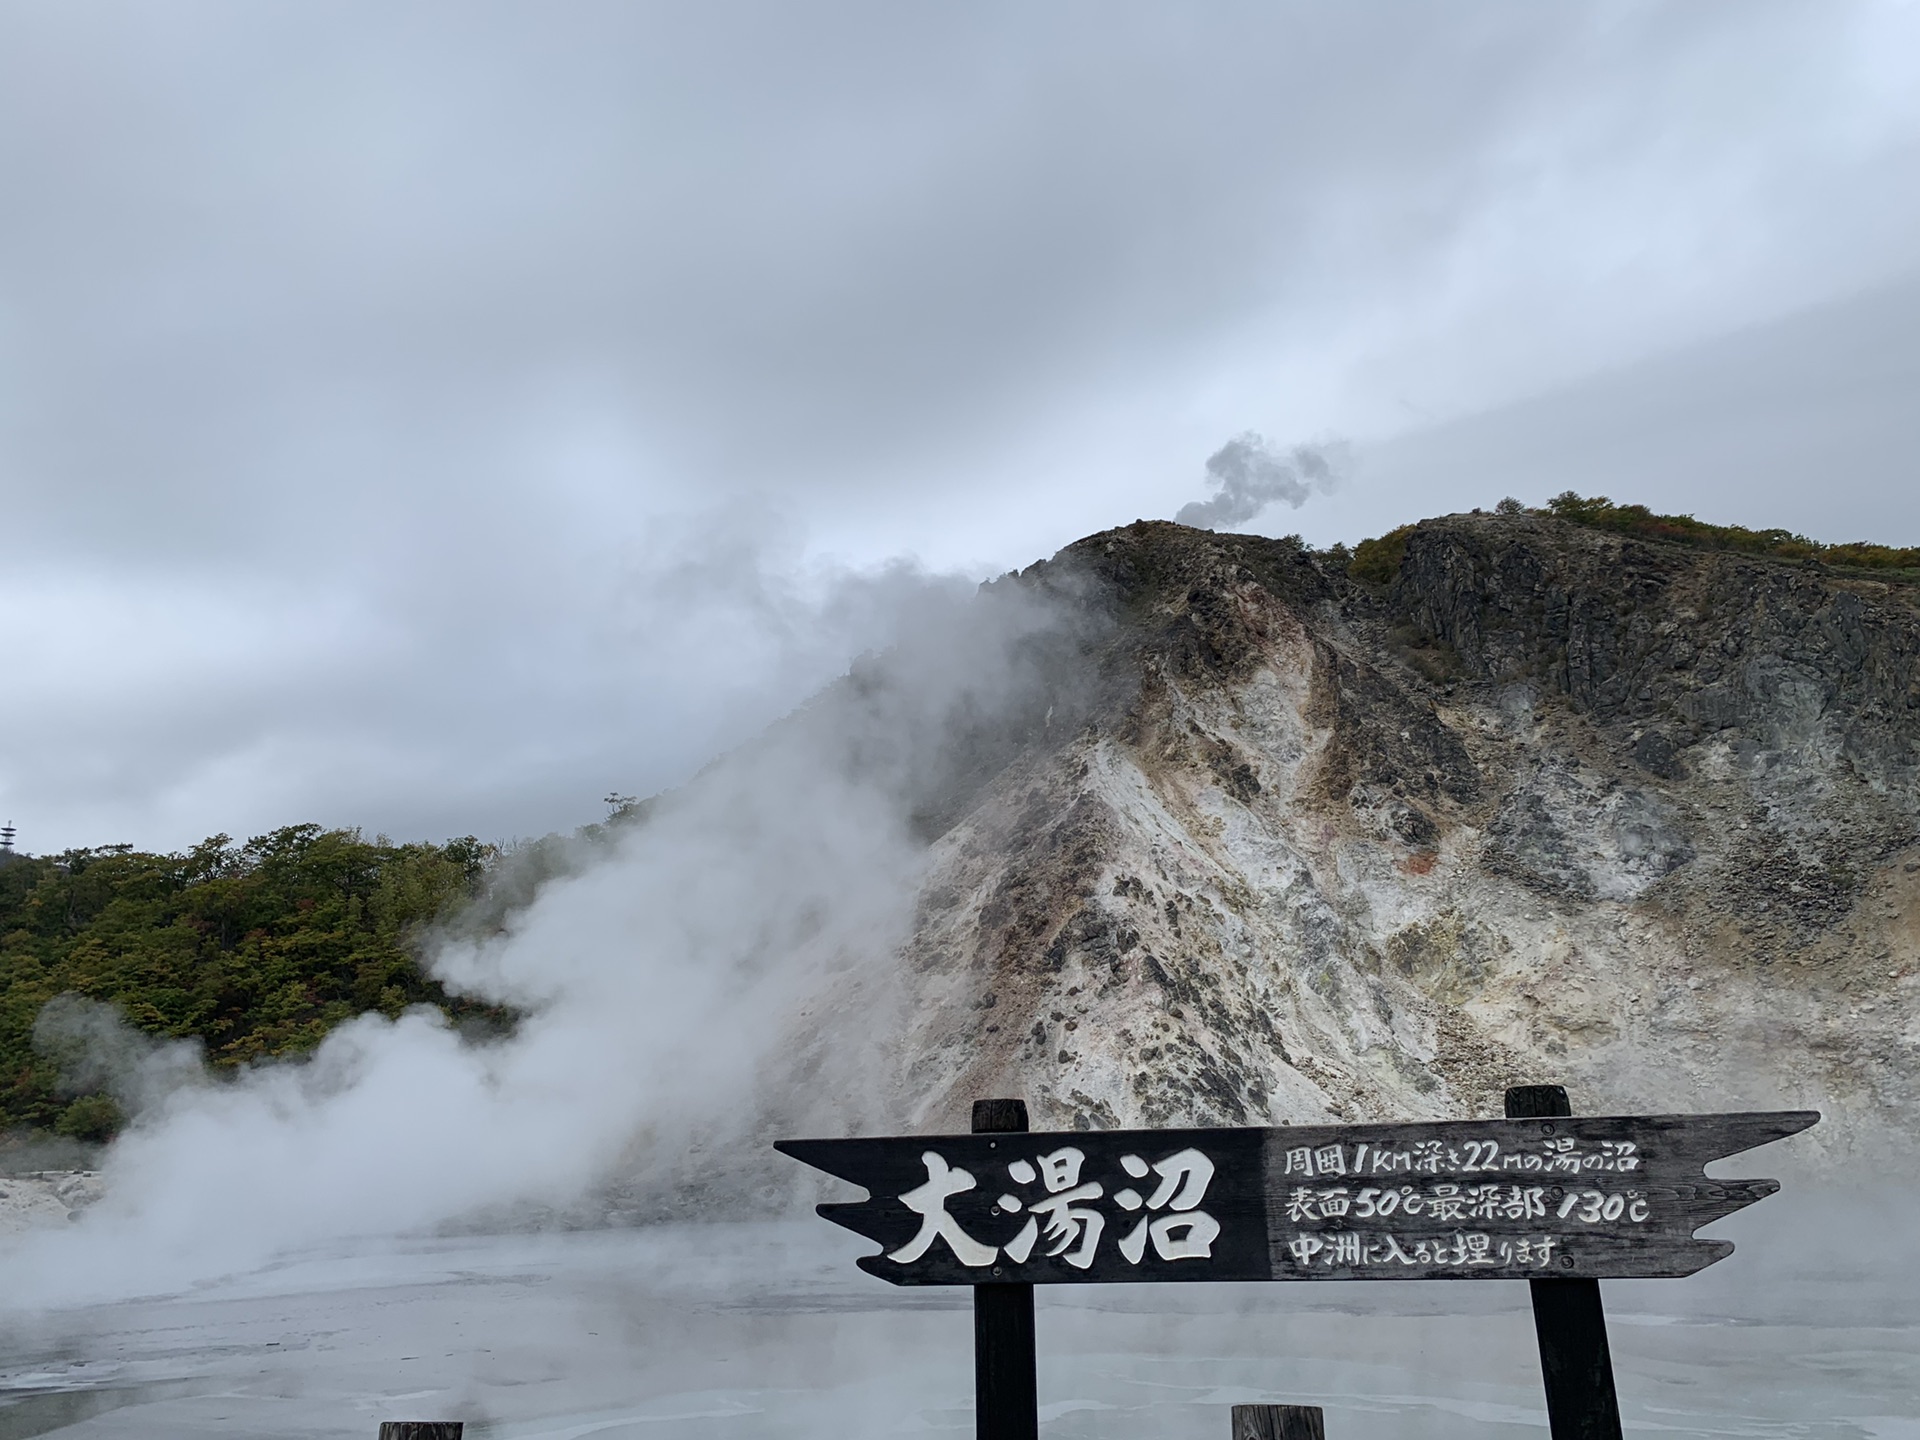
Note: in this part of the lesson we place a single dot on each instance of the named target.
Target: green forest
(258, 949)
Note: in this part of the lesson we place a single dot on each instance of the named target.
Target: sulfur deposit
(45, 1197)
(1554, 805)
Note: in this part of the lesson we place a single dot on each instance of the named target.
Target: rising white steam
(1249, 473)
(96, 1049)
(722, 972)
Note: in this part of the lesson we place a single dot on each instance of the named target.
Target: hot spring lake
(745, 1332)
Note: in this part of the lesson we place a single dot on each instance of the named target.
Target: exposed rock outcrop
(45, 1197)
(1556, 805)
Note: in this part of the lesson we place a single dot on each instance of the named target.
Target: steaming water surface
(725, 1332)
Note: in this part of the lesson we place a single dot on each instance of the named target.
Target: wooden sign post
(1540, 1196)
(1006, 1397)
(1568, 1320)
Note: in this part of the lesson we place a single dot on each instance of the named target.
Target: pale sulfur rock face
(1555, 807)
(45, 1197)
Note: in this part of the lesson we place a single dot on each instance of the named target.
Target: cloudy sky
(434, 416)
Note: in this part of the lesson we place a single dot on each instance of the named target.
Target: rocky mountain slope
(1555, 805)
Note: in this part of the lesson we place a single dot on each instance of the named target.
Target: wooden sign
(1450, 1200)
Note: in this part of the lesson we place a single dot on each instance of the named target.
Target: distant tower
(6, 838)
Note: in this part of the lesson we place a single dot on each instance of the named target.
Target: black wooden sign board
(1590, 1196)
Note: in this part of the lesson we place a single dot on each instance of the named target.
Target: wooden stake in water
(1279, 1422)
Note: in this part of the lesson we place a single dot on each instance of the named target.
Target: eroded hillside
(1554, 805)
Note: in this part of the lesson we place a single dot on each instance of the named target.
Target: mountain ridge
(1554, 802)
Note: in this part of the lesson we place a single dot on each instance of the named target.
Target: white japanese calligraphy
(929, 1202)
(1470, 1250)
(1188, 1233)
(1072, 1230)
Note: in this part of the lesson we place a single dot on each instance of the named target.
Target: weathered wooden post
(1569, 1320)
(1006, 1397)
(1279, 1422)
(422, 1429)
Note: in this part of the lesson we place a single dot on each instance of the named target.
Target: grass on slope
(1600, 513)
(1377, 561)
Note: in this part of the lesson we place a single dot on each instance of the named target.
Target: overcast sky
(433, 416)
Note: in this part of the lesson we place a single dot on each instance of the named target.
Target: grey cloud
(350, 355)
(504, 710)
(1804, 422)
(778, 240)
(1249, 473)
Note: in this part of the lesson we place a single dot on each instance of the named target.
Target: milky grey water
(725, 1332)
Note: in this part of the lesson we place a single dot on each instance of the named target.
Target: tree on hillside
(258, 949)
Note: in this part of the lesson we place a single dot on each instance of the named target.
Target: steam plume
(725, 972)
(97, 1049)
(1250, 473)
